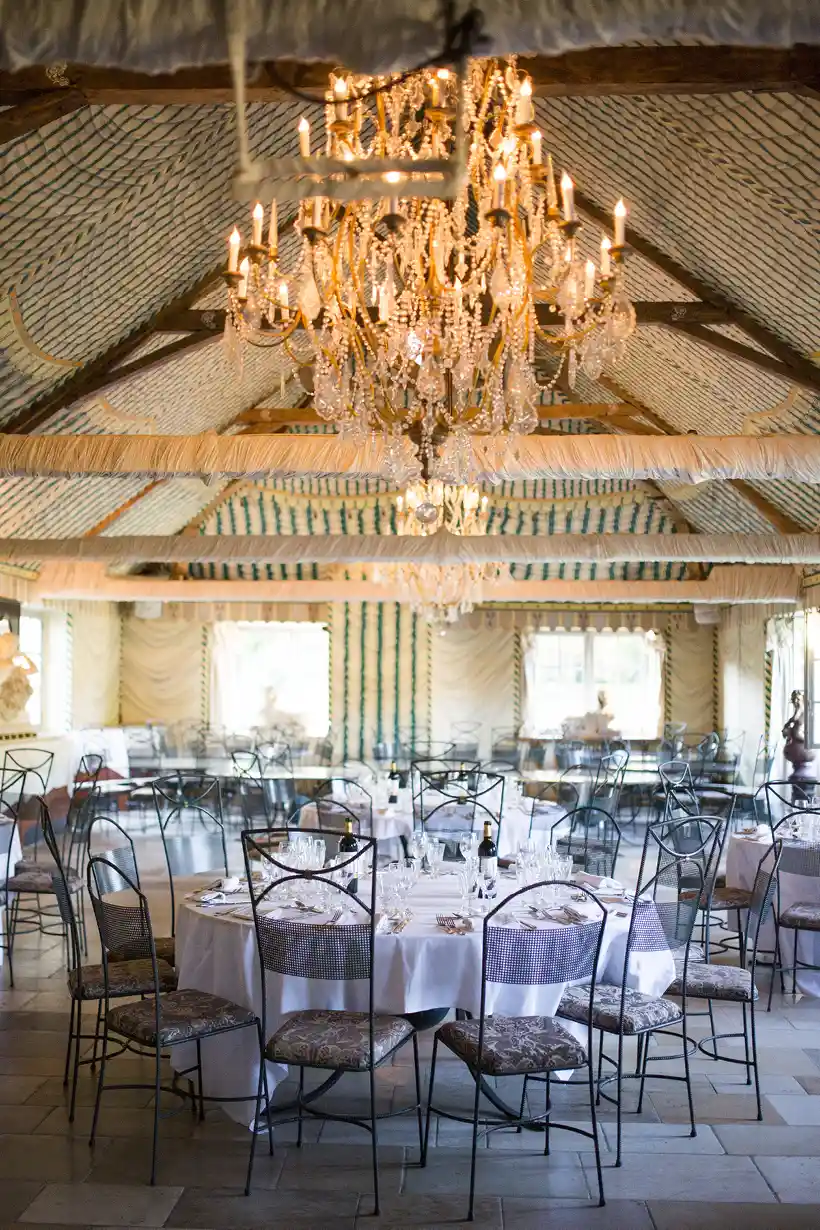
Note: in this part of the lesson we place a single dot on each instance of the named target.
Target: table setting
(428, 943)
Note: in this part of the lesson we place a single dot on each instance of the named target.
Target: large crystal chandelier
(439, 592)
(428, 318)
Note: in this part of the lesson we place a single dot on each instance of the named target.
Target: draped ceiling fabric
(381, 38)
(164, 663)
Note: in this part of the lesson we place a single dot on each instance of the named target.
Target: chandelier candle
(257, 218)
(304, 137)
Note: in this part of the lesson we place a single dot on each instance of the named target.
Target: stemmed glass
(435, 856)
(468, 845)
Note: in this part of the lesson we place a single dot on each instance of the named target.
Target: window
(565, 671)
(271, 674)
(31, 645)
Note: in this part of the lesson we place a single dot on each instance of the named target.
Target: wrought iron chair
(339, 799)
(466, 738)
(503, 1046)
(86, 983)
(593, 839)
(36, 764)
(191, 850)
(733, 984)
(783, 797)
(553, 802)
(104, 831)
(166, 1018)
(796, 859)
(340, 1041)
(663, 917)
(458, 802)
(608, 781)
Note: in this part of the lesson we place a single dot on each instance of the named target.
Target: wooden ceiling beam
(807, 379)
(801, 370)
(595, 72)
(648, 312)
(40, 109)
(781, 521)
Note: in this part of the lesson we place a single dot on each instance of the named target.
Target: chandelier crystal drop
(424, 317)
(439, 593)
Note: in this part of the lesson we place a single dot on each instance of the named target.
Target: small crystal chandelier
(422, 316)
(439, 593)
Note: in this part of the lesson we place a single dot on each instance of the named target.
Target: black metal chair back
(275, 754)
(703, 754)
(89, 768)
(461, 803)
(11, 794)
(782, 797)
(608, 781)
(296, 949)
(122, 855)
(82, 808)
(593, 839)
(339, 799)
(440, 775)
(553, 802)
(122, 926)
(800, 860)
(35, 763)
(65, 902)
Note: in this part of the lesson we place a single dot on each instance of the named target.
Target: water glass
(435, 856)
(468, 845)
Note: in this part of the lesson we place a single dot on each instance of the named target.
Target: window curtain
(780, 642)
(654, 682)
(473, 683)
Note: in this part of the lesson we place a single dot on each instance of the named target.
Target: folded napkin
(605, 883)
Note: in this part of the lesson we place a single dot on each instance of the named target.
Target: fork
(334, 918)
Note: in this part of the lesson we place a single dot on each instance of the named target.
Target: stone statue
(15, 667)
(794, 748)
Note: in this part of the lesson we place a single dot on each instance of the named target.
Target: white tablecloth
(420, 969)
(396, 820)
(742, 861)
(108, 742)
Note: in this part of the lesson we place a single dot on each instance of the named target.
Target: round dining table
(420, 969)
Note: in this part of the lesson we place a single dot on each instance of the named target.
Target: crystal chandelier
(423, 317)
(439, 592)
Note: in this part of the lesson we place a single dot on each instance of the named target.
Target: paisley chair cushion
(38, 879)
(124, 978)
(320, 1038)
(165, 947)
(714, 982)
(640, 1012)
(515, 1044)
(805, 914)
(184, 1015)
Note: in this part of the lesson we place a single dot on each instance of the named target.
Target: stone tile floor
(735, 1173)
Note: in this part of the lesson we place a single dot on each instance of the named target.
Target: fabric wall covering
(742, 651)
(380, 676)
(473, 675)
(95, 667)
(691, 682)
(164, 670)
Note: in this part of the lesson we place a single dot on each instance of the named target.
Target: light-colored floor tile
(543, 1215)
(677, 1177)
(796, 1180)
(663, 1138)
(800, 1111)
(95, 1204)
(759, 1139)
(671, 1216)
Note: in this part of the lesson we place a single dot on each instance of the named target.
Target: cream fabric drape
(780, 641)
(473, 680)
(163, 664)
(687, 459)
(742, 662)
(691, 676)
(95, 672)
(440, 548)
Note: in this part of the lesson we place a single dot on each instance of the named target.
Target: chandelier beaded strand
(419, 313)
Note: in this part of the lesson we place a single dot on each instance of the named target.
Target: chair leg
(618, 1078)
(593, 1116)
(754, 1060)
(374, 1139)
(600, 1066)
(11, 922)
(68, 1048)
(523, 1103)
(157, 1094)
(76, 1067)
(685, 1039)
(644, 1061)
(97, 1034)
(299, 1104)
(100, 1080)
(259, 1085)
(794, 970)
(199, 1081)
(417, 1073)
(547, 1121)
(429, 1103)
(267, 1094)
(746, 1046)
(741, 942)
(474, 1152)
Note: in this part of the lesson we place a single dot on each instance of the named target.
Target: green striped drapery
(379, 675)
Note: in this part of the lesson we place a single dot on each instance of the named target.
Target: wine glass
(468, 844)
(435, 856)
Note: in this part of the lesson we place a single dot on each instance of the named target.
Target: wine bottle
(349, 845)
(462, 796)
(488, 861)
(393, 795)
